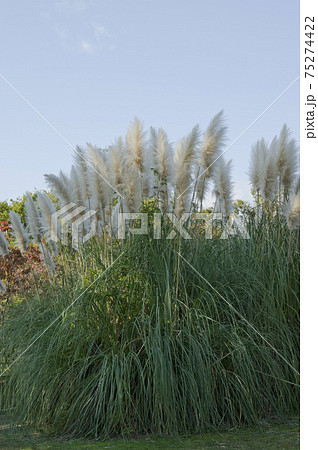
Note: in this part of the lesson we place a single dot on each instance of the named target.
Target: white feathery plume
(2, 287)
(263, 168)
(223, 186)
(132, 190)
(282, 157)
(65, 179)
(136, 145)
(80, 158)
(136, 153)
(98, 160)
(162, 153)
(76, 184)
(60, 186)
(212, 142)
(183, 165)
(293, 214)
(47, 211)
(269, 170)
(291, 169)
(287, 161)
(255, 168)
(33, 219)
(118, 164)
(100, 190)
(4, 247)
(20, 234)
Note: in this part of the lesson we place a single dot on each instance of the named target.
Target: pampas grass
(47, 211)
(273, 168)
(118, 164)
(213, 139)
(210, 150)
(136, 153)
(136, 145)
(20, 234)
(33, 218)
(80, 159)
(148, 347)
(269, 170)
(76, 184)
(293, 215)
(162, 163)
(100, 190)
(130, 358)
(223, 187)
(132, 190)
(4, 248)
(255, 168)
(183, 164)
(287, 161)
(289, 173)
(60, 186)
(162, 153)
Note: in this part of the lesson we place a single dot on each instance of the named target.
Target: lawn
(274, 435)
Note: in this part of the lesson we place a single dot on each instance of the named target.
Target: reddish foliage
(18, 271)
(5, 227)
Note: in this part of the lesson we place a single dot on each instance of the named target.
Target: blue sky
(90, 67)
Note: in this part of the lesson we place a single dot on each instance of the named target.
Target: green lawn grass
(275, 435)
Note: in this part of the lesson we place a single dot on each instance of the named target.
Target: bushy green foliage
(17, 206)
(160, 344)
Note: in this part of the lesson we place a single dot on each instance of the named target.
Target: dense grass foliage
(157, 342)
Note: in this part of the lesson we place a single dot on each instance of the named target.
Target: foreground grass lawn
(271, 436)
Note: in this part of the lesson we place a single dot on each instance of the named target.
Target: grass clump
(118, 350)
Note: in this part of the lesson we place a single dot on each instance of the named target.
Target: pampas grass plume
(4, 248)
(60, 186)
(269, 170)
(162, 153)
(47, 211)
(255, 168)
(211, 145)
(118, 164)
(33, 219)
(76, 185)
(136, 153)
(287, 160)
(293, 216)
(80, 159)
(20, 234)
(183, 164)
(223, 189)
(132, 190)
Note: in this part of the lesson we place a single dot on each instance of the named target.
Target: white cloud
(86, 47)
